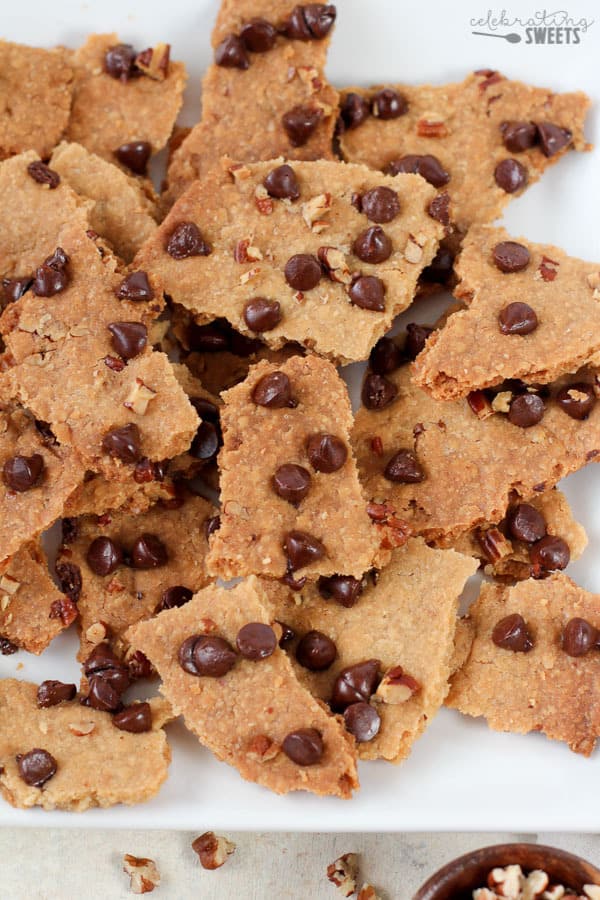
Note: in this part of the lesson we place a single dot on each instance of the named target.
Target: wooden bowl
(457, 880)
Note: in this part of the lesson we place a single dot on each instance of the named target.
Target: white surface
(461, 775)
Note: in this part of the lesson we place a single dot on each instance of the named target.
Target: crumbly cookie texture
(25, 514)
(472, 467)
(252, 237)
(472, 352)
(507, 558)
(97, 764)
(32, 609)
(108, 112)
(258, 440)
(97, 495)
(63, 366)
(544, 689)
(109, 604)
(35, 98)
(245, 715)
(242, 110)
(123, 212)
(461, 126)
(406, 618)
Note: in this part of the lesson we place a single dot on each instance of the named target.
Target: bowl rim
(428, 890)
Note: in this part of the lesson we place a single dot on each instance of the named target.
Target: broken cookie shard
(260, 701)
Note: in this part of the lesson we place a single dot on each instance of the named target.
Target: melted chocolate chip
(104, 556)
(136, 718)
(69, 579)
(258, 35)
(354, 110)
(526, 410)
(103, 694)
(231, 53)
(577, 400)
(388, 104)
(509, 256)
(378, 392)
(7, 648)
(326, 452)
(135, 155)
(261, 314)
(52, 276)
(368, 292)
(21, 473)
(511, 633)
(316, 651)
(256, 641)
(344, 589)
(173, 597)
(148, 552)
(355, 684)
(404, 468)
(119, 62)
(123, 443)
(36, 767)
(43, 174)
(129, 339)
(103, 661)
(416, 338)
(302, 549)
(282, 184)
(310, 22)
(439, 208)
(274, 391)
(291, 482)
(385, 357)
(287, 634)
(517, 318)
(51, 693)
(579, 637)
(362, 721)
(186, 240)
(428, 167)
(13, 289)
(510, 175)
(552, 138)
(550, 554)
(373, 245)
(380, 205)
(135, 287)
(303, 271)
(300, 123)
(525, 523)
(518, 136)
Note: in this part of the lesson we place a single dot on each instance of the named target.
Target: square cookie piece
(402, 624)
(521, 674)
(290, 496)
(35, 98)
(321, 253)
(532, 313)
(252, 711)
(75, 753)
(483, 140)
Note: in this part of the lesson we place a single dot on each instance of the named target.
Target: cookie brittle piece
(37, 476)
(123, 213)
(483, 140)
(256, 715)
(35, 98)
(290, 495)
(533, 673)
(119, 104)
(532, 313)
(73, 757)
(404, 622)
(447, 467)
(166, 549)
(260, 105)
(308, 261)
(32, 609)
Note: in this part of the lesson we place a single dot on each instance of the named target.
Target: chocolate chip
(404, 468)
(326, 452)
(291, 482)
(550, 554)
(185, 654)
(316, 651)
(129, 339)
(274, 391)
(354, 110)
(378, 392)
(103, 695)
(211, 524)
(261, 314)
(526, 410)
(439, 208)
(174, 597)
(302, 549)
(206, 442)
(258, 35)
(136, 718)
(135, 287)
(206, 410)
(511, 633)
(385, 357)
(304, 746)
(7, 648)
(52, 276)
(13, 289)
(148, 552)
(69, 578)
(123, 443)
(50, 693)
(104, 556)
(135, 155)
(300, 123)
(186, 240)
(380, 205)
(518, 136)
(344, 589)
(525, 523)
(303, 271)
(509, 256)
(21, 473)
(43, 174)
(231, 53)
(372, 245)
(368, 292)
(104, 661)
(579, 637)
(355, 684)
(416, 338)
(510, 175)
(363, 721)
(312, 21)
(256, 641)
(440, 268)
(212, 656)
(517, 318)
(287, 634)
(577, 400)
(36, 767)
(119, 62)
(552, 138)
(388, 104)
(281, 183)
(428, 167)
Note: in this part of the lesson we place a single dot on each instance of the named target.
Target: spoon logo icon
(512, 37)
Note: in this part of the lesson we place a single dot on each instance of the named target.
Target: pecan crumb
(343, 873)
(143, 873)
(212, 849)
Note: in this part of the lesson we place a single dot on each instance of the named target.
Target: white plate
(461, 775)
